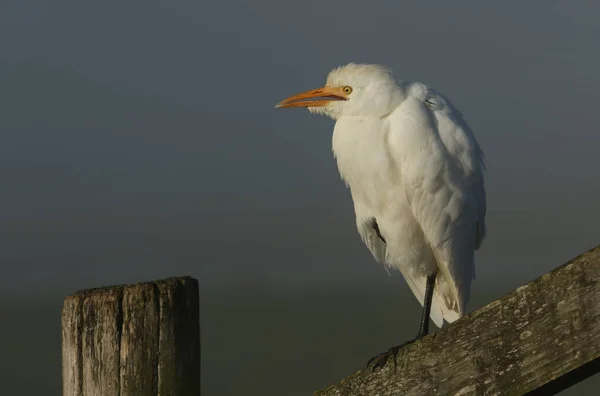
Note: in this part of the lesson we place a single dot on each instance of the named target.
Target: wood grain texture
(118, 340)
(139, 340)
(100, 342)
(71, 339)
(179, 360)
(538, 340)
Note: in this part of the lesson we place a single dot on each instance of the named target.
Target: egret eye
(347, 90)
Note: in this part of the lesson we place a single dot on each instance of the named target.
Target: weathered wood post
(141, 339)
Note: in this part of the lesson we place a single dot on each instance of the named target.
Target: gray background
(139, 141)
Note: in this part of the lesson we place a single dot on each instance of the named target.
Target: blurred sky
(140, 141)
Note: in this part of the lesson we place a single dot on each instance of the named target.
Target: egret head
(351, 90)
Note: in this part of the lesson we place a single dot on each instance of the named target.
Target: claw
(381, 359)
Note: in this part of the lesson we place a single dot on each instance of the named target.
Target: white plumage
(414, 167)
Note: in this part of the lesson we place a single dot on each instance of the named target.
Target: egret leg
(424, 328)
(382, 358)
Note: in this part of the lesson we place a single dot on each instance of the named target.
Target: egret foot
(381, 359)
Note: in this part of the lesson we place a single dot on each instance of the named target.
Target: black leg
(424, 329)
(382, 358)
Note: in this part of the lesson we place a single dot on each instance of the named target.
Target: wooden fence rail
(537, 340)
(141, 340)
(144, 340)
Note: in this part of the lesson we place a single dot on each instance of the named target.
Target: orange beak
(324, 96)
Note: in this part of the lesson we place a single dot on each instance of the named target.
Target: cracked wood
(539, 339)
(141, 339)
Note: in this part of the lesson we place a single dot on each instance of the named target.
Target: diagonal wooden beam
(540, 339)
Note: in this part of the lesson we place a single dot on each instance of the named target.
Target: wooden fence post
(141, 339)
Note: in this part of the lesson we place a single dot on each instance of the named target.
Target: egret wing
(442, 170)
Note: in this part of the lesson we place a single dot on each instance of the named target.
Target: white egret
(416, 176)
